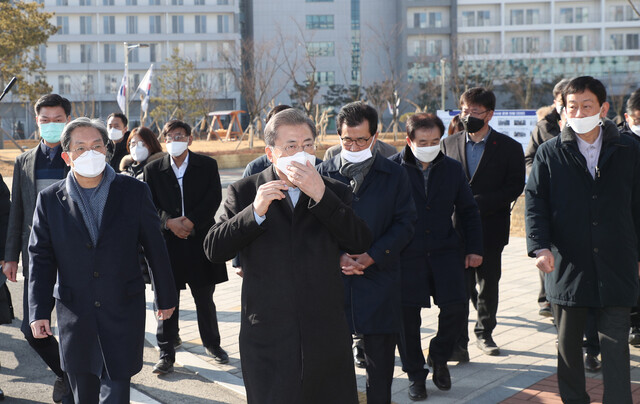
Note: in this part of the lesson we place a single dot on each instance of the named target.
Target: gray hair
(83, 122)
(288, 117)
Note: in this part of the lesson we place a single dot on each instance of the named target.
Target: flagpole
(126, 73)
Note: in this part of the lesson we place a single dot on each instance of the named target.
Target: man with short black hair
(495, 169)
(583, 225)
(118, 129)
(34, 170)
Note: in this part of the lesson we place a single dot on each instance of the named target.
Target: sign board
(515, 123)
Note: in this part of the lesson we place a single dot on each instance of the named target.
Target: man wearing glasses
(494, 165)
(382, 198)
(289, 226)
(83, 251)
(186, 191)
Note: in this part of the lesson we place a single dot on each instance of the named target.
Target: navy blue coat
(384, 202)
(99, 289)
(592, 226)
(433, 262)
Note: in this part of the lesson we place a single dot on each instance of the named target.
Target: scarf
(91, 208)
(355, 172)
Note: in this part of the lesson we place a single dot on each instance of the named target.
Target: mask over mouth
(359, 156)
(51, 132)
(300, 157)
(176, 148)
(426, 154)
(586, 124)
(139, 153)
(90, 164)
(472, 124)
(115, 134)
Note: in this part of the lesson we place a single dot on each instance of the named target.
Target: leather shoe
(1, 395)
(417, 391)
(545, 311)
(441, 377)
(460, 354)
(61, 389)
(177, 343)
(218, 354)
(358, 355)
(163, 367)
(591, 363)
(634, 336)
(488, 346)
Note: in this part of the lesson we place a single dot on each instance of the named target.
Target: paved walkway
(525, 367)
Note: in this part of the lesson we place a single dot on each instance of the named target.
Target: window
(419, 20)
(42, 53)
(321, 49)
(132, 2)
(134, 55)
(582, 14)
(468, 19)
(223, 2)
(108, 2)
(484, 18)
(469, 46)
(109, 53)
(132, 24)
(63, 54)
(434, 47)
(62, 2)
(617, 13)
(201, 24)
(517, 45)
(177, 24)
(177, 2)
(324, 78)
(632, 41)
(435, 20)
(198, 2)
(63, 25)
(86, 2)
(86, 25)
(581, 43)
(64, 84)
(86, 53)
(320, 22)
(533, 16)
(86, 81)
(201, 52)
(631, 14)
(111, 83)
(566, 43)
(109, 24)
(154, 2)
(319, 1)
(155, 24)
(566, 15)
(616, 42)
(483, 46)
(533, 45)
(154, 54)
(223, 24)
(517, 17)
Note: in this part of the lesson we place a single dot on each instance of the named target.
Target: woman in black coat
(143, 147)
(434, 262)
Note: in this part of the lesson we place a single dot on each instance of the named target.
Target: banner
(122, 94)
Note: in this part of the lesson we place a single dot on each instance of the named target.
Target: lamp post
(128, 48)
(443, 63)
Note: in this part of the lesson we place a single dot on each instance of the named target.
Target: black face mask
(472, 124)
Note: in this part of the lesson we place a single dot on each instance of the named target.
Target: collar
(49, 150)
(484, 139)
(583, 145)
(184, 165)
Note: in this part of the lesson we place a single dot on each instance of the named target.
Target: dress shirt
(474, 152)
(591, 152)
(179, 172)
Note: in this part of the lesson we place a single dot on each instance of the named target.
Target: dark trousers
(613, 329)
(451, 320)
(485, 298)
(90, 389)
(379, 353)
(592, 342)
(542, 295)
(46, 348)
(167, 331)
(635, 315)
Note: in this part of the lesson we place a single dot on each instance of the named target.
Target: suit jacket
(496, 183)
(99, 289)
(5, 208)
(23, 204)
(202, 197)
(294, 340)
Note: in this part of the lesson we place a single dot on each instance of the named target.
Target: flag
(122, 93)
(145, 88)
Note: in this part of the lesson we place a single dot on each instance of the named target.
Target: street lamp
(128, 48)
(443, 63)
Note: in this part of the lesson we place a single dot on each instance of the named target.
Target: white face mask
(425, 154)
(115, 134)
(90, 164)
(175, 149)
(559, 109)
(584, 125)
(139, 153)
(301, 157)
(635, 129)
(359, 156)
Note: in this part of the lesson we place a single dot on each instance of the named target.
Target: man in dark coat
(494, 165)
(289, 226)
(186, 191)
(117, 125)
(546, 128)
(583, 227)
(83, 251)
(382, 198)
(33, 171)
(434, 262)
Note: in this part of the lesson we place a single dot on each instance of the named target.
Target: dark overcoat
(496, 183)
(99, 289)
(385, 203)
(295, 344)
(590, 225)
(433, 262)
(202, 197)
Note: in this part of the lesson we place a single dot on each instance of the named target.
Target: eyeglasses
(98, 147)
(135, 143)
(175, 138)
(473, 112)
(290, 150)
(347, 141)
